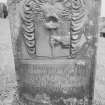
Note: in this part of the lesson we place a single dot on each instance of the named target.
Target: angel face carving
(49, 26)
(53, 8)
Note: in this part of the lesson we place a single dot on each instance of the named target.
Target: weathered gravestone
(54, 46)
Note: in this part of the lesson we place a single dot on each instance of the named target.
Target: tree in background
(3, 10)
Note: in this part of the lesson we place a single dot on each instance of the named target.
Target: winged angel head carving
(51, 26)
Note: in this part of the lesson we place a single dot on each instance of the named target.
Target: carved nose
(52, 18)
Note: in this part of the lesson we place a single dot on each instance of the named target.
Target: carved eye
(76, 4)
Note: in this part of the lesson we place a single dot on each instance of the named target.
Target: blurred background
(7, 72)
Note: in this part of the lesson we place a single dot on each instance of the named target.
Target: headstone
(54, 47)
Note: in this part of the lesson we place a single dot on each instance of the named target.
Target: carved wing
(28, 27)
(32, 14)
(79, 19)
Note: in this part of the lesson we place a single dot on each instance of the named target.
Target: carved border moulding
(54, 47)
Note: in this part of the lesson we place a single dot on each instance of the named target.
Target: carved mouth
(51, 25)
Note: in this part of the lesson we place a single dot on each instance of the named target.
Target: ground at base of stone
(16, 101)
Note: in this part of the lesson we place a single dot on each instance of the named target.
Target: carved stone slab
(54, 46)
